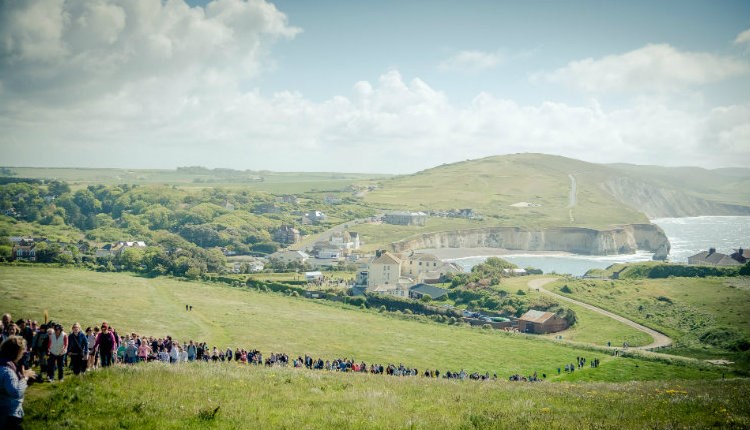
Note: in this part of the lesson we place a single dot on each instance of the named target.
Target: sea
(688, 236)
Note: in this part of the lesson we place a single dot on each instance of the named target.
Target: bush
(520, 292)
(727, 338)
(565, 289)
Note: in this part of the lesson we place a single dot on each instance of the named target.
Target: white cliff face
(660, 203)
(619, 240)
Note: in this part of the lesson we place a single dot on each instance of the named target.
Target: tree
(745, 270)
(132, 258)
(6, 252)
(46, 253)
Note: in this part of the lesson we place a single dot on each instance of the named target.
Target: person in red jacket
(105, 344)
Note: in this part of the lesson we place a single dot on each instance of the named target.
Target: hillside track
(660, 340)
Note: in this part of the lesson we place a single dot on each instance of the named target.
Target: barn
(540, 322)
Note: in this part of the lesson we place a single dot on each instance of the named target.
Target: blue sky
(372, 86)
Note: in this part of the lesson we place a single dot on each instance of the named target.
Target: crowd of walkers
(50, 349)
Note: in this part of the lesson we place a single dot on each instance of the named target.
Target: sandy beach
(456, 253)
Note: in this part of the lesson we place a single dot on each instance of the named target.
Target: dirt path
(573, 197)
(660, 340)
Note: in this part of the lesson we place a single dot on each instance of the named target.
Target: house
(120, 247)
(515, 272)
(427, 267)
(314, 218)
(420, 290)
(397, 290)
(405, 218)
(290, 256)
(384, 269)
(24, 248)
(286, 234)
(313, 276)
(344, 240)
(540, 322)
(329, 253)
(741, 255)
(713, 258)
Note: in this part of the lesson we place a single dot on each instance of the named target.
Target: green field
(685, 309)
(272, 182)
(156, 396)
(624, 392)
(226, 316)
(491, 185)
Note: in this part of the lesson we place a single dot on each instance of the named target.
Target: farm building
(540, 322)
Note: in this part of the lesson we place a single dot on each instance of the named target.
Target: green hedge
(659, 271)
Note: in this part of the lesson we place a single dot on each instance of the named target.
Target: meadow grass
(491, 185)
(590, 327)
(273, 182)
(675, 306)
(226, 316)
(234, 396)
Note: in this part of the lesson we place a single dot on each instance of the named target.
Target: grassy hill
(225, 316)
(157, 396)
(671, 393)
(705, 316)
(491, 185)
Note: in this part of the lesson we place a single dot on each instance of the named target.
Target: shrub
(565, 289)
(726, 338)
(520, 292)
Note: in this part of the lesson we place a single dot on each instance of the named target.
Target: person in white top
(57, 348)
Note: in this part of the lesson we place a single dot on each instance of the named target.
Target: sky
(371, 87)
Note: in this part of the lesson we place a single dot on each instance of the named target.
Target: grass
(491, 185)
(591, 327)
(226, 395)
(226, 316)
(682, 308)
(273, 182)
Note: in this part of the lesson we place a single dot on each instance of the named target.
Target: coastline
(461, 253)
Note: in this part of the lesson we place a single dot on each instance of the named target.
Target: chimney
(711, 251)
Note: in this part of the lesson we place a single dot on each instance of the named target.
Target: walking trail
(660, 340)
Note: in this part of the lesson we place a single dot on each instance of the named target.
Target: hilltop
(497, 187)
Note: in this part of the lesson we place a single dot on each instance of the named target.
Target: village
(336, 266)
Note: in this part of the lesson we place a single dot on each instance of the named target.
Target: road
(573, 197)
(660, 340)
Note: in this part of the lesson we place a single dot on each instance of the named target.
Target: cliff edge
(625, 239)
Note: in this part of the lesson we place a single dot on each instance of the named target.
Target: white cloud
(471, 61)
(743, 38)
(51, 49)
(388, 126)
(145, 83)
(653, 68)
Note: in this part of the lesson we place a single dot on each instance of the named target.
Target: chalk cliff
(658, 202)
(624, 239)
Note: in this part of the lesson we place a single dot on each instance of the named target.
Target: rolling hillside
(604, 194)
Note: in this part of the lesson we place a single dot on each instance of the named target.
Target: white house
(290, 256)
(426, 267)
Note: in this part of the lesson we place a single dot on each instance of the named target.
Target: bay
(687, 236)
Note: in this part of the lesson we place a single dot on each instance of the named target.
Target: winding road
(660, 340)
